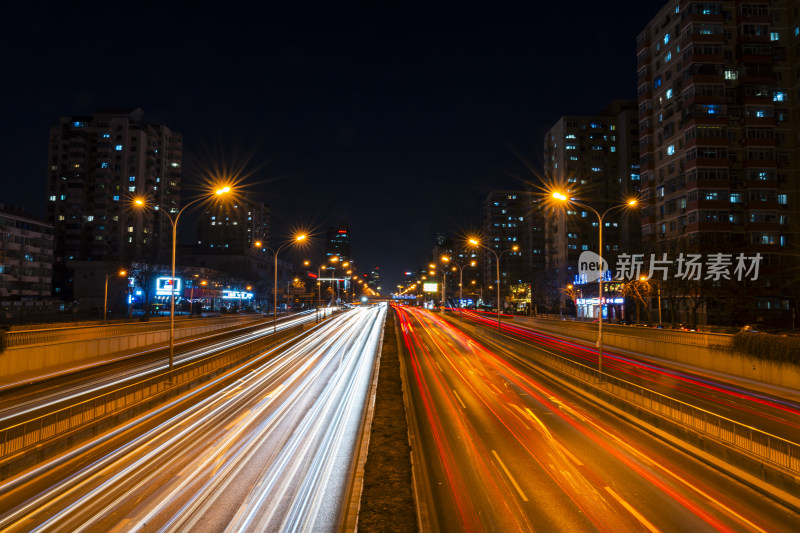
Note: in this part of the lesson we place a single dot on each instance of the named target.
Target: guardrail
(691, 338)
(766, 447)
(82, 333)
(29, 433)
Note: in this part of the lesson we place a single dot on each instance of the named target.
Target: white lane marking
(646, 523)
(513, 481)
(459, 399)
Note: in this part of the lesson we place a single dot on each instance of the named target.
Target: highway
(17, 402)
(772, 413)
(503, 448)
(265, 448)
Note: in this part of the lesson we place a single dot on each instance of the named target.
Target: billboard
(164, 286)
(430, 287)
(236, 295)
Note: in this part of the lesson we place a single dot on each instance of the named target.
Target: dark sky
(399, 121)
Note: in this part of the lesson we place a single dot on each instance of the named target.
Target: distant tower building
(337, 242)
(375, 279)
(596, 159)
(234, 227)
(503, 216)
(96, 165)
(718, 106)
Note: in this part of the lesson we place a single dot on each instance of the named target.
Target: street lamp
(121, 273)
(297, 238)
(461, 280)
(140, 202)
(629, 203)
(515, 248)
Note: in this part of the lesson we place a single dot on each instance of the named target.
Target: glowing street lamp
(515, 248)
(630, 203)
(141, 202)
(121, 273)
(295, 240)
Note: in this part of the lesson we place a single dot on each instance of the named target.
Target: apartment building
(96, 165)
(718, 114)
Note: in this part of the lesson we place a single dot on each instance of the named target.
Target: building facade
(595, 159)
(504, 215)
(337, 242)
(234, 227)
(96, 165)
(718, 114)
(26, 261)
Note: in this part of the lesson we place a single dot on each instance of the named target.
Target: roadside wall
(712, 354)
(16, 362)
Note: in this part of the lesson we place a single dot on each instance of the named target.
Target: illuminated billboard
(430, 287)
(236, 295)
(164, 286)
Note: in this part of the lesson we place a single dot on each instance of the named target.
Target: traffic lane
(608, 466)
(539, 492)
(465, 492)
(171, 475)
(677, 489)
(33, 399)
(773, 414)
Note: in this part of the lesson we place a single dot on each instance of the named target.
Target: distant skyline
(399, 121)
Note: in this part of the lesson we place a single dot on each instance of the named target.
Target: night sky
(399, 121)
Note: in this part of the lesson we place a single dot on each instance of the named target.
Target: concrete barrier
(706, 351)
(42, 359)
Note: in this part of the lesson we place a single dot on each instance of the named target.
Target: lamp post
(105, 299)
(461, 281)
(298, 238)
(630, 203)
(174, 221)
(514, 248)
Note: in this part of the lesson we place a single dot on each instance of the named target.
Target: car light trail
(286, 429)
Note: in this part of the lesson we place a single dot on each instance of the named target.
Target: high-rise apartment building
(337, 242)
(96, 164)
(503, 228)
(718, 114)
(234, 227)
(596, 159)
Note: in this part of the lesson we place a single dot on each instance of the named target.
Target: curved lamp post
(298, 238)
(121, 273)
(515, 248)
(140, 202)
(629, 203)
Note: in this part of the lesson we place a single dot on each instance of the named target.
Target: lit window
(666, 39)
(571, 136)
(132, 188)
(669, 94)
(797, 31)
(60, 217)
(597, 169)
(573, 158)
(635, 177)
(783, 199)
(773, 36)
(53, 198)
(132, 178)
(106, 135)
(571, 147)
(667, 57)
(116, 198)
(657, 83)
(103, 165)
(62, 197)
(118, 148)
(613, 148)
(130, 229)
(779, 96)
(731, 74)
(89, 218)
(670, 149)
(78, 124)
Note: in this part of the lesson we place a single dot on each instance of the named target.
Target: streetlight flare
(258, 244)
(300, 238)
(223, 190)
(559, 196)
(632, 202)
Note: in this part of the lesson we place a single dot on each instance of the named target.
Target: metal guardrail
(83, 333)
(32, 432)
(767, 447)
(691, 338)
